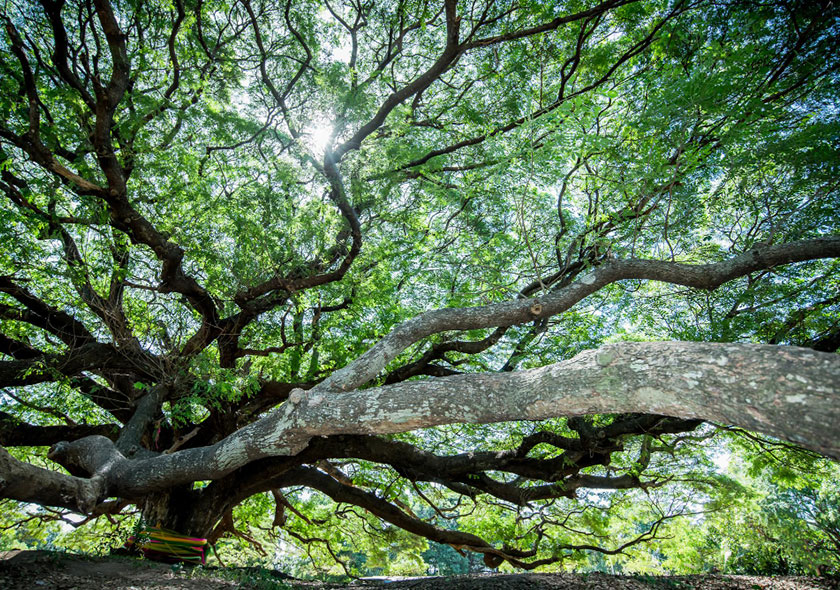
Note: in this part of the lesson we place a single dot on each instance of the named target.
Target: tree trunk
(182, 510)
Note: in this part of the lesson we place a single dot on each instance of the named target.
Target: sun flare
(317, 136)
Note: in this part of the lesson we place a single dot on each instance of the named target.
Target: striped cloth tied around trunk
(159, 544)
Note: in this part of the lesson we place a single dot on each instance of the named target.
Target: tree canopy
(477, 273)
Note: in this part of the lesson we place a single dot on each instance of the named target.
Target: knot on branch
(87, 456)
(296, 396)
(91, 492)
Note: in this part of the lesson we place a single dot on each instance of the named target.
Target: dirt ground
(43, 570)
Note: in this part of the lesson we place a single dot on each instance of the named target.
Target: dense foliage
(209, 207)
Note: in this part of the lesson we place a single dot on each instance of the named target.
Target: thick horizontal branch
(16, 433)
(15, 348)
(96, 357)
(550, 25)
(28, 483)
(786, 392)
(38, 313)
(594, 447)
(420, 465)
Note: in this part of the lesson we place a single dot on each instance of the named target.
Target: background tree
(780, 516)
(250, 248)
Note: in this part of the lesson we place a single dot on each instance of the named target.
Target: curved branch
(698, 276)
(382, 508)
(388, 512)
(562, 97)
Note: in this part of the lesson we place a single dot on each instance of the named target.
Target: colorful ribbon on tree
(160, 544)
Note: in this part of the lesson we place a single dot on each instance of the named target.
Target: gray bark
(28, 483)
(787, 392)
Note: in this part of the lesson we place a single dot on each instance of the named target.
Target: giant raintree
(252, 247)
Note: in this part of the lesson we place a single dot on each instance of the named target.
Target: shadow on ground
(44, 570)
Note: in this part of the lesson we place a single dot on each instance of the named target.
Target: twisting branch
(562, 96)
(705, 276)
(38, 313)
(451, 51)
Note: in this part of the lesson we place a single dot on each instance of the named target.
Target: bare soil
(43, 570)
